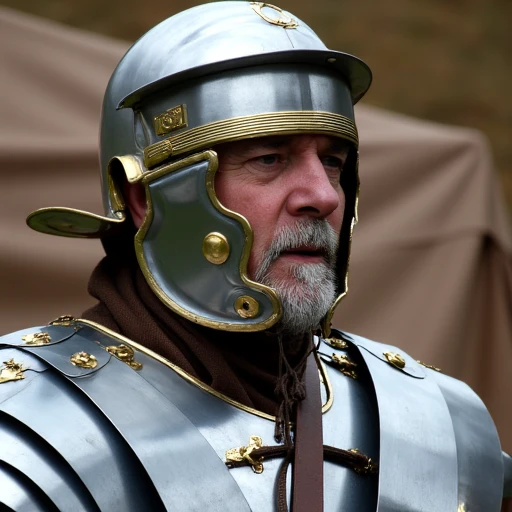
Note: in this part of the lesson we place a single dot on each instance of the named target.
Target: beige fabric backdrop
(431, 264)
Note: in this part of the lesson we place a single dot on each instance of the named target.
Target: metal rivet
(246, 306)
(395, 359)
(84, 360)
(216, 248)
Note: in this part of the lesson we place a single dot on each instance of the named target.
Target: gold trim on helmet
(211, 157)
(246, 127)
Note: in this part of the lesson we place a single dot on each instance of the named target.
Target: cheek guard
(189, 241)
(216, 73)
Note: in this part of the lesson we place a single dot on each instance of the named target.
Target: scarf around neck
(243, 366)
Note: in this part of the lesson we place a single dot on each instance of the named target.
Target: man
(209, 368)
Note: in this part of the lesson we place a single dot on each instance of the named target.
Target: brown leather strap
(507, 505)
(308, 465)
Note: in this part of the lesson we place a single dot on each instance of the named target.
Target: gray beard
(310, 288)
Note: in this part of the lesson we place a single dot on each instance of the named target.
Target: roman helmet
(218, 72)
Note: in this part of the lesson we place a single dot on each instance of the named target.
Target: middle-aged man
(208, 377)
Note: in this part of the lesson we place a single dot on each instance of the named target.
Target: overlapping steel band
(259, 125)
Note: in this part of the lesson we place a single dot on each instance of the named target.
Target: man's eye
(333, 162)
(268, 159)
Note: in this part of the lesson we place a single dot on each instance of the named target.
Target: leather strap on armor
(308, 479)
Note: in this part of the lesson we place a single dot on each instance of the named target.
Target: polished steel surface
(123, 439)
(246, 92)
(200, 42)
(75, 439)
(478, 447)
(201, 39)
(170, 253)
(432, 422)
(418, 452)
(92, 421)
(507, 468)
(352, 422)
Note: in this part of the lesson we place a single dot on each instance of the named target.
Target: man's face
(288, 188)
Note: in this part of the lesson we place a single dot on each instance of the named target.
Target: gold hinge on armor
(125, 354)
(11, 371)
(37, 338)
(65, 320)
(243, 453)
(345, 365)
(336, 343)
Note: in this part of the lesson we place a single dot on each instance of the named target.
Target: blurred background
(443, 61)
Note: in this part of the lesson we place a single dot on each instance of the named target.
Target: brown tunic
(243, 366)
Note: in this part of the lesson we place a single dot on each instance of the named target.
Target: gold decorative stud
(84, 360)
(37, 338)
(65, 320)
(429, 366)
(246, 306)
(336, 343)
(243, 453)
(11, 371)
(171, 120)
(345, 365)
(395, 359)
(216, 248)
(283, 20)
(125, 354)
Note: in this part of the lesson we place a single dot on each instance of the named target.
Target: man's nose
(312, 192)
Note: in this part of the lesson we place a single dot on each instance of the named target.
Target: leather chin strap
(308, 466)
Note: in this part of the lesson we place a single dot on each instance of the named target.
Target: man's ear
(135, 198)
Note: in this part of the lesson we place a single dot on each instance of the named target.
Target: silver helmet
(219, 72)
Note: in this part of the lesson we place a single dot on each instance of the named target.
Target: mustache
(316, 234)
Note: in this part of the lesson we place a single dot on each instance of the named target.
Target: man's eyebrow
(275, 142)
(338, 145)
(335, 145)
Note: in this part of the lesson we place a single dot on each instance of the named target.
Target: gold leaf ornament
(243, 453)
(11, 371)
